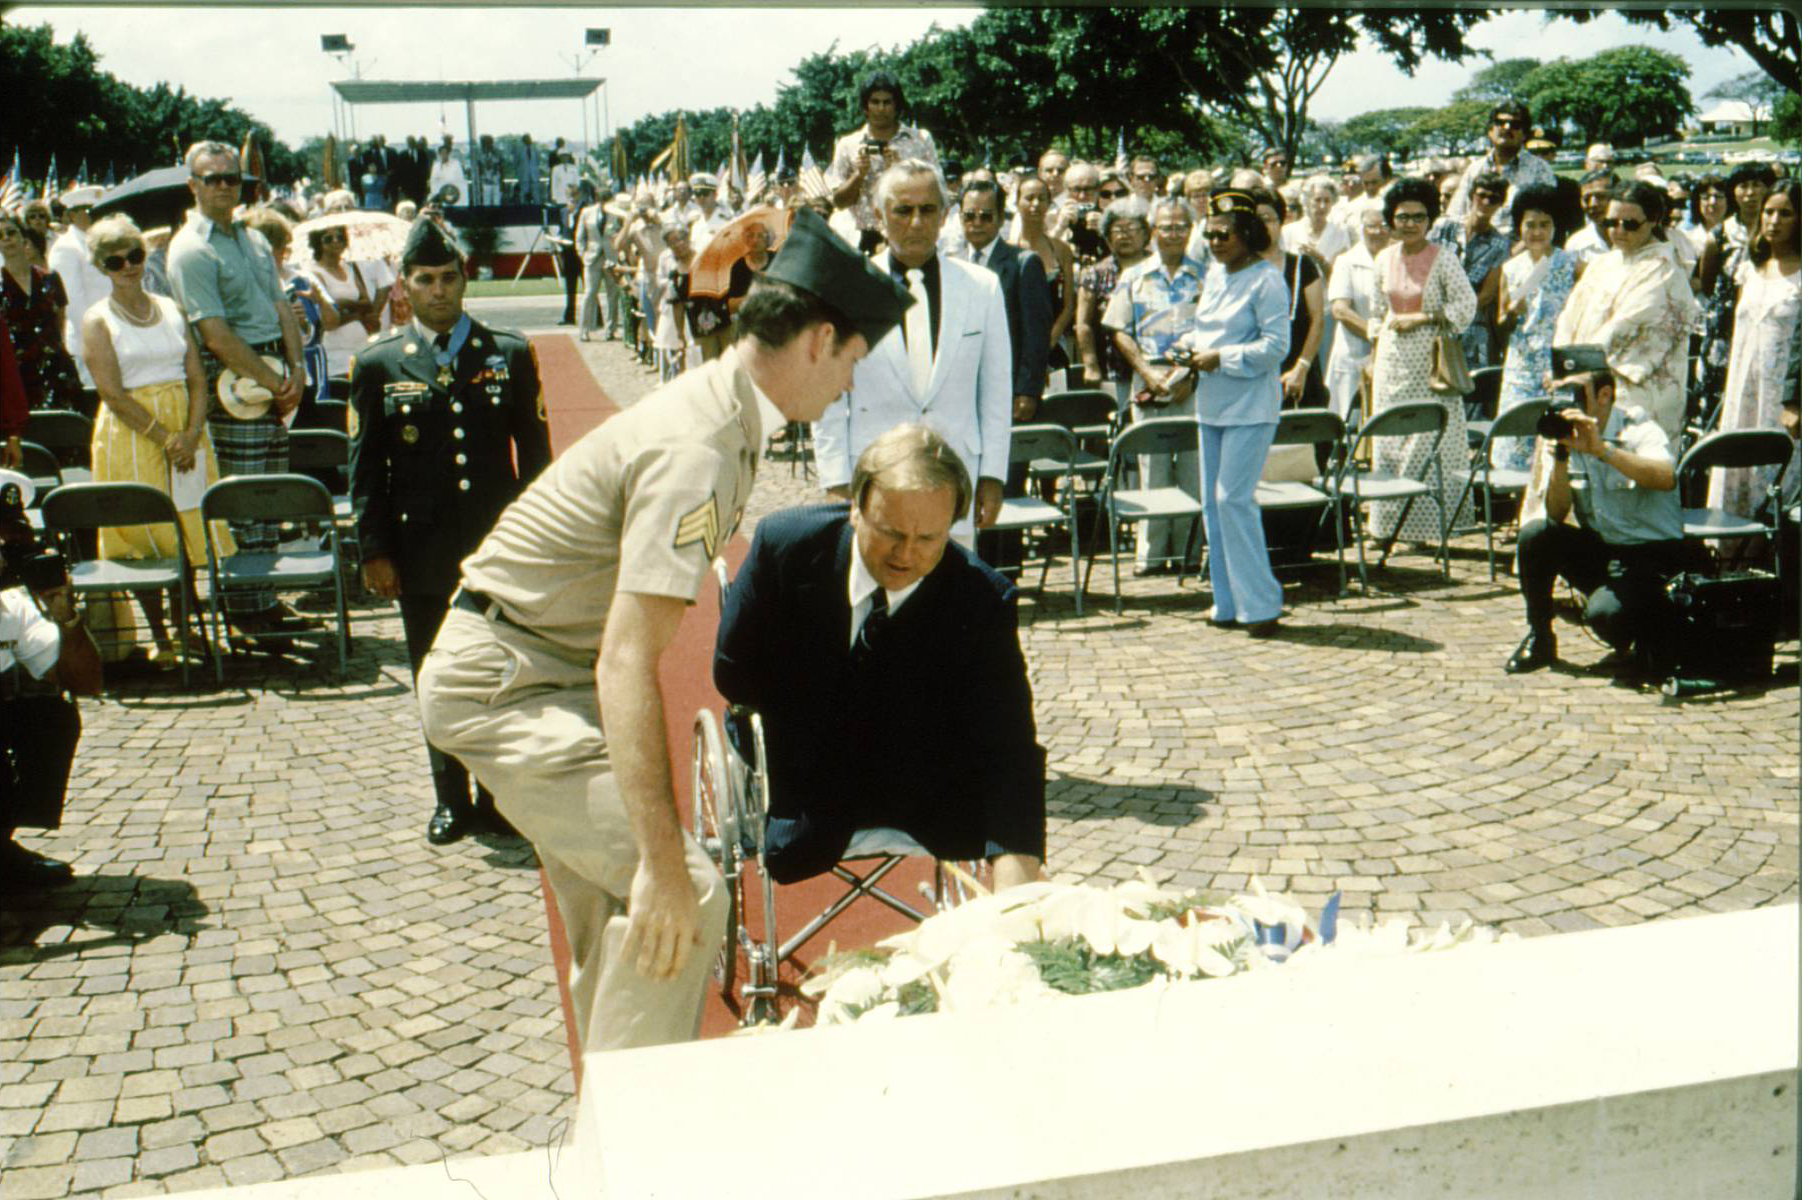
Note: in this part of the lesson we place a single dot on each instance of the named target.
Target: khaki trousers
(524, 718)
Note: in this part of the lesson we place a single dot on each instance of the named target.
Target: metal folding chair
(1369, 483)
(1123, 505)
(1037, 444)
(272, 498)
(1518, 420)
(67, 435)
(1728, 449)
(77, 507)
(1308, 427)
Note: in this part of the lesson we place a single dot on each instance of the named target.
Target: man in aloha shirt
(851, 179)
(1509, 124)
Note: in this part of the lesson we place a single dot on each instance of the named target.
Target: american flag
(12, 194)
(50, 187)
(812, 181)
(754, 183)
(1120, 152)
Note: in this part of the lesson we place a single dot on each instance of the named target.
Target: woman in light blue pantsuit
(1241, 334)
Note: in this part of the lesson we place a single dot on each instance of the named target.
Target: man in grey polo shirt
(1614, 470)
(225, 279)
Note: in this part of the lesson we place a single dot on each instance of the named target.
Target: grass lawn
(489, 288)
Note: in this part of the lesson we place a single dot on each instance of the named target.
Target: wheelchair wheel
(716, 828)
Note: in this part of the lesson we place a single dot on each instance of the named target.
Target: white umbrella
(372, 235)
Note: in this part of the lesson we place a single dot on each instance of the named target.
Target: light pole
(593, 42)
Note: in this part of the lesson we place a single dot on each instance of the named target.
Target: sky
(268, 61)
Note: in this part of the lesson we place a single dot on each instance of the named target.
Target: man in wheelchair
(885, 663)
(1612, 466)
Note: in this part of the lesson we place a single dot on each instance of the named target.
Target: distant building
(1732, 118)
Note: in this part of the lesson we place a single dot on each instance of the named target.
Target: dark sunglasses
(1624, 224)
(221, 179)
(1113, 193)
(334, 235)
(1491, 197)
(118, 262)
(1217, 235)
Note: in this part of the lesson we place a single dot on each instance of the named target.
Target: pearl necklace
(143, 322)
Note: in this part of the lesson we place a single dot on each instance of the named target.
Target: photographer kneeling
(1613, 467)
(45, 651)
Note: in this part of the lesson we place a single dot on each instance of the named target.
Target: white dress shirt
(861, 586)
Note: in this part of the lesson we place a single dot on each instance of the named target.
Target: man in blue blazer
(885, 662)
(948, 365)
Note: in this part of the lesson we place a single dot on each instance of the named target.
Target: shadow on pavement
(1355, 637)
(1171, 806)
(119, 909)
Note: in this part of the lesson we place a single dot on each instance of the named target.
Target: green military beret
(429, 244)
(817, 260)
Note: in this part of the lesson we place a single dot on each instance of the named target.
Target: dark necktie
(869, 634)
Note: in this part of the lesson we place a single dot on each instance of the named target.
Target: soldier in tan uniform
(544, 677)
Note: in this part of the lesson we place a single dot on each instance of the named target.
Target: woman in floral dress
(1535, 285)
(1424, 293)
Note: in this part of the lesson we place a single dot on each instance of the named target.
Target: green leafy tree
(1455, 129)
(1786, 119)
(1626, 96)
(1385, 130)
(1498, 81)
(1770, 37)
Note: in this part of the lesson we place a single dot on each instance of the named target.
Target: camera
(1553, 425)
(874, 147)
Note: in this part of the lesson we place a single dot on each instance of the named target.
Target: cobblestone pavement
(263, 970)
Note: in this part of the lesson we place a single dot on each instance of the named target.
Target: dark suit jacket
(432, 467)
(1029, 313)
(935, 736)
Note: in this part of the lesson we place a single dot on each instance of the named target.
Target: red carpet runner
(575, 404)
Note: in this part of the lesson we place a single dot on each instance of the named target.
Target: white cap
(81, 197)
(1601, 150)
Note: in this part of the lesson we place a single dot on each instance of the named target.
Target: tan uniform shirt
(642, 503)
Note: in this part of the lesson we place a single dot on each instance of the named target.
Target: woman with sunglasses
(33, 301)
(1635, 302)
(152, 419)
(1236, 349)
(1762, 371)
(359, 290)
(38, 228)
(1423, 293)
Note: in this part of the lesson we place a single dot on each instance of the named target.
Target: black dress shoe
(490, 820)
(23, 870)
(1264, 629)
(1537, 650)
(450, 824)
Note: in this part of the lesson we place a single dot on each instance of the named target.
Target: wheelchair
(730, 794)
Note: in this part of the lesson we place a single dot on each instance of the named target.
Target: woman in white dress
(1635, 302)
(152, 419)
(359, 290)
(1762, 371)
(1423, 294)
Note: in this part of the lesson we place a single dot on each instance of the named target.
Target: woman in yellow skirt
(152, 419)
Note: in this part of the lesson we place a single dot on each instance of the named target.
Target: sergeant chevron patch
(701, 524)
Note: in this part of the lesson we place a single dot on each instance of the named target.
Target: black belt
(482, 606)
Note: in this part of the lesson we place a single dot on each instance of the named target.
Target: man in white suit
(948, 365)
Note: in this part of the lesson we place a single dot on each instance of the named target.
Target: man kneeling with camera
(1613, 468)
(45, 651)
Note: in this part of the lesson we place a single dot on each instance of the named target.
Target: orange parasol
(711, 274)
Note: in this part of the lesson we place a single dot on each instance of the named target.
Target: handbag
(1447, 372)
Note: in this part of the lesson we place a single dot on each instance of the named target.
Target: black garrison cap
(429, 244)
(817, 260)
(1581, 358)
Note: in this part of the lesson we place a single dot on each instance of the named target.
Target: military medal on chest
(445, 376)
